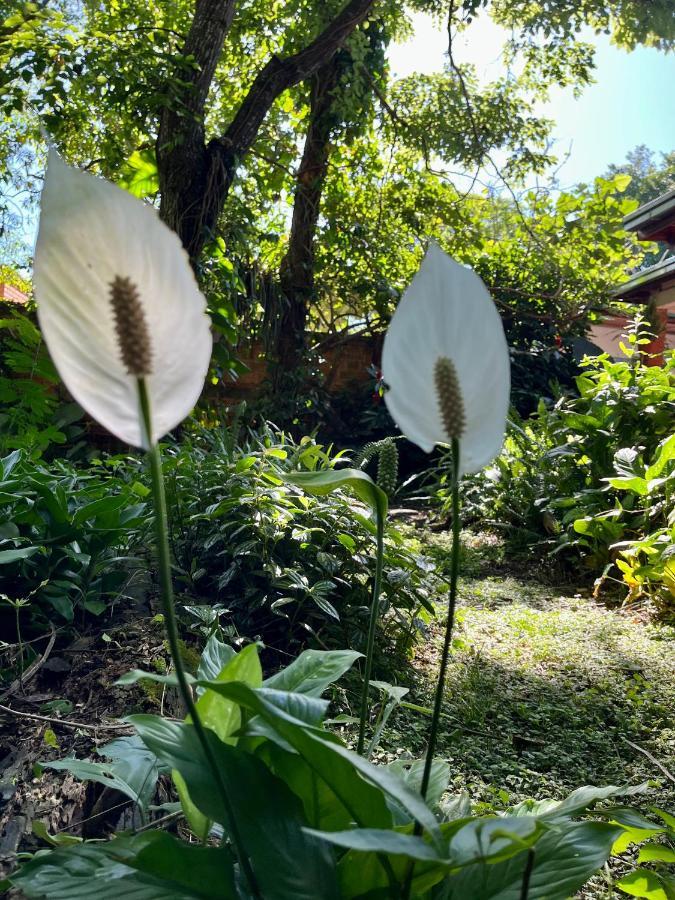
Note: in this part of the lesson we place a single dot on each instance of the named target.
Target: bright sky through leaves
(631, 102)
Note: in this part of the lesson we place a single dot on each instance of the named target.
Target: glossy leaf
(313, 671)
(269, 816)
(149, 866)
(328, 480)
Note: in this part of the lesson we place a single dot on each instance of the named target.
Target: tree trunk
(195, 177)
(296, 273)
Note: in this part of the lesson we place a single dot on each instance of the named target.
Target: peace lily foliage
(446, 363)
(118, 302)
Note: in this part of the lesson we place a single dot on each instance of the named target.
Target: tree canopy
(302, 178)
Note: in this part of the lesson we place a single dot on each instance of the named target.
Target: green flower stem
(440, 685)
(170, 622)
(374, 609)
(527, 875)
(452, 600)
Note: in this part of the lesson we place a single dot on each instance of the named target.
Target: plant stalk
(170, 622)
(440, 685)
(372, 625)
(452, 601)
(527, 874)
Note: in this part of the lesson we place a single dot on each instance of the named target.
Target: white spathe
(91, 232)
(447, 312)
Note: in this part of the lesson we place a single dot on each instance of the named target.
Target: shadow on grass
(512, 729)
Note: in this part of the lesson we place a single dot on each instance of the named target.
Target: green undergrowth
(545, 688)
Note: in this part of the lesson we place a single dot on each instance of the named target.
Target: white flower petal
(448, 312)
(91, 232)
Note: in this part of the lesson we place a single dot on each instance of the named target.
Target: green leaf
(219, 713)
(630, 483)
(60, 839)
(133, 770)
(656, 853)
(644, 883)
(268, 815)
(328, 480)
(313, 671)
(10, 556)
(198, 822)
(412, 771)
(666, 452)
(215, 657)
(139, 174)
(150, 866)
(381, 840)
(564, 860)
(343, 770)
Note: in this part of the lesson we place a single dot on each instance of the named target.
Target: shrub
(33, 416)
(67, 536)
(591, 476)
(278, 563)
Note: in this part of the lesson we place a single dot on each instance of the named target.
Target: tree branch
(280, 74)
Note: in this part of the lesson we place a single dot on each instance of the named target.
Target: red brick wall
(346, 363)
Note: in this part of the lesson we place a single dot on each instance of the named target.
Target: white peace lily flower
(446, 363)
(117, 302)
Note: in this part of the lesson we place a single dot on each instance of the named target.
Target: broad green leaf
(328, 480)
(411, 772)
(630, 483)
(139, 174)
(268, 815)
(200, 824)
(10, 556)
(323, 808)
(492, 839)
(219, 713)
(644, 883)
(656, 853)
(577, 802)
(60, 839)
(341, 768)
(133, 769)
(665, 452)
(381, 840)
(149, 866)
(313, 671)
(564, 860)
(214, 658)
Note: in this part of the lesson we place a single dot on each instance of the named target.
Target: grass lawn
(546, 688)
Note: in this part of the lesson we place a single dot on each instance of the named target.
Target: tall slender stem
(452, 601)
(170, 622)
(372, 625)
(440, 685)
(527, 875)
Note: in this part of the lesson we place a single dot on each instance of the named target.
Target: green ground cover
(546, 688)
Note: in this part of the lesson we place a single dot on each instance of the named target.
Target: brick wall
(345, 364)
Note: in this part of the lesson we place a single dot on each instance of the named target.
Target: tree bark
(296, 272)
(195, 177)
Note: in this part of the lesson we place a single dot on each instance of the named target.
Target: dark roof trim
(653, 215)
(641, 285)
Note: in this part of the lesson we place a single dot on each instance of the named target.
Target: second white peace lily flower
(117, 302)
(446, 363)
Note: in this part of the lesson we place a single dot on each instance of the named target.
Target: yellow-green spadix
(446, 363)
(117, 301)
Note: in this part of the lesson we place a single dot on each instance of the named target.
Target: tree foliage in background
(301, 177)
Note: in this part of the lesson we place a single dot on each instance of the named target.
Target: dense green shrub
(67, 536)
(590, 477)
(33, 416)
(278, 563)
